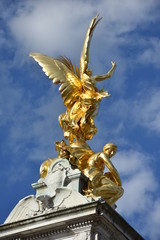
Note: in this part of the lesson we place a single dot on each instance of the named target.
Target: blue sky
(30, 104)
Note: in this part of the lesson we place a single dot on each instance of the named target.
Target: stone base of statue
(59, 210)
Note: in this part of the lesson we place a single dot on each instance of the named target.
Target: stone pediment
(61, 188)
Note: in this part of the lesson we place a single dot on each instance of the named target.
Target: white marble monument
(59, 210)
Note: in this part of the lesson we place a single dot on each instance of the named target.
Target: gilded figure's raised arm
(111, 168)
(84, 60)
(98, 78)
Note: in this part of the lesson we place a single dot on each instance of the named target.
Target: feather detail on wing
(61, 71)
(84, 60)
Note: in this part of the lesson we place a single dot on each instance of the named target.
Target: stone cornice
(94, 215)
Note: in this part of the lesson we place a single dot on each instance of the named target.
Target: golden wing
(84, 60)
(61, 71)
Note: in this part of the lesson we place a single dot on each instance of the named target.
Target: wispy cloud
(146, 111)
(150, 53)
(56, 32)
(140, 190)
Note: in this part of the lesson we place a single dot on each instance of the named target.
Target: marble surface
(61, 188)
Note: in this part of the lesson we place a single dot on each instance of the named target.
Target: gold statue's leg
(112, 200)
(108, 190)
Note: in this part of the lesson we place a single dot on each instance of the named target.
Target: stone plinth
(59, 210)
(61, 188)
(90, 221)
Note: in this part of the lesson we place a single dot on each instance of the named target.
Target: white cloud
(152, 221)
(150, 54)
(10, 95)
(48, 28)
(30, 121)
(146, 110)
(37, 123)
(51, 29)
(126, 15)
(140, 189)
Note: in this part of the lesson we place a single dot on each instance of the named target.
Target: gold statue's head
(110, 149)
(89, 72)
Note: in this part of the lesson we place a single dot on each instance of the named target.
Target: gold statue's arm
(84, 60)
(98, 78)
(111, 168)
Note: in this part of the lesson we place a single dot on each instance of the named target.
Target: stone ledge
(94, 217)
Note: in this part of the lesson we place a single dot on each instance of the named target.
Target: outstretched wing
(84, 60)
(61, 71)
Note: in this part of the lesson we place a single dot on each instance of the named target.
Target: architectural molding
(92, 221)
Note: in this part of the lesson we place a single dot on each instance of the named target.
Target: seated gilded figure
(108, 184)
(93, 165)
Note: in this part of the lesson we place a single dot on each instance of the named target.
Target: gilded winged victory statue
(81, 98)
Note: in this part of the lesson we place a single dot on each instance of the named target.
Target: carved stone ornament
(61, 188)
